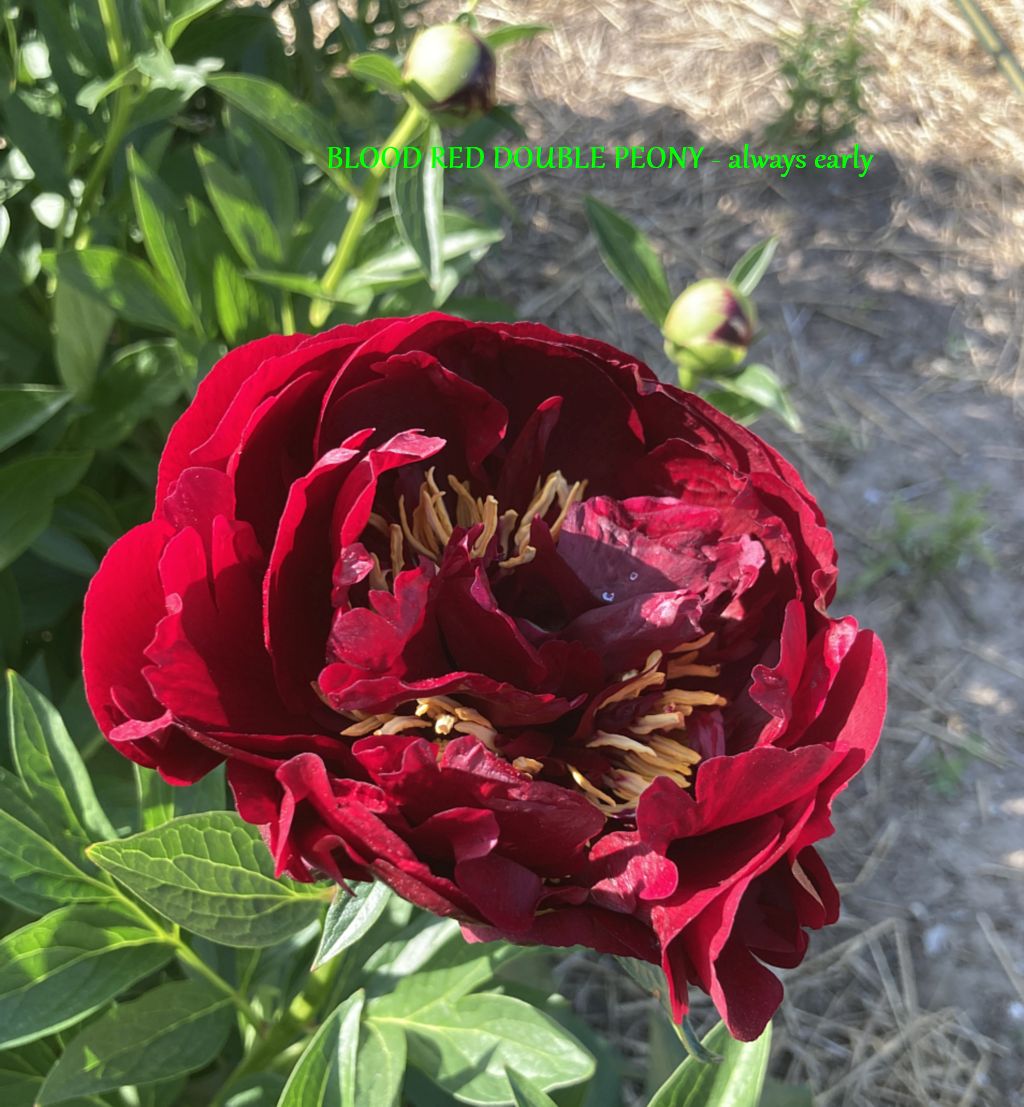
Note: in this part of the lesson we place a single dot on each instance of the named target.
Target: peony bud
(452, 70)
(709, 327)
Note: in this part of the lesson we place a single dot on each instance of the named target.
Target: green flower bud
(708, 328)
(452, 70)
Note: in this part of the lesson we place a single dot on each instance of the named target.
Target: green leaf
(174, 1029)
(325, 1074)
(49, 764)
(155, 207)
(376, 70)
(755, 390)
(34, 874)
(238, 305)
(512, 33)
(437, 966)
(735, 1082)
(141, 380)
(747, 272)
(183, 13)
(28, 488)
(213, 875)
(628, 254)
(245, 221)
(466, 1046)
(349, 917)
(260, 1090)
(121, 282)
(380, 1065)
(294, 122)
(82, 325)
(22, 1072)
(382, 265)
(61, 968)
(417, 199)
(24, 408)
(38, 138)
(526, 1092)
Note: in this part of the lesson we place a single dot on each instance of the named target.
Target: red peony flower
(486, 612)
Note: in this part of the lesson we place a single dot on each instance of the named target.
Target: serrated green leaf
(49, 764)
(34, 874)
(376, 70)
(512, 33)
(465, 1047)
(747, 272)
(349, 917)
(123, 283)
(213, 875)
(417, 200)
(734, 1082)
(247, 225)
(631, 258)
(526, 1092)
(25, 408)
(325, 1074)
(294, 122)
(174, 1029)
(155, 206)
(61, 968)
(28, 488)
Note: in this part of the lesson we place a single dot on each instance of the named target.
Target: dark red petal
(123, 605)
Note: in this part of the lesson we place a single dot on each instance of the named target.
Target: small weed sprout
(824, 70)
(924, 545)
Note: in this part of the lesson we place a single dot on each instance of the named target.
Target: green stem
(287, 314)
(94, 182)
(296, 1023)
(117, 48)
(403, 133)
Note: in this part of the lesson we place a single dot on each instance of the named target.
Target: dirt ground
(893, 311)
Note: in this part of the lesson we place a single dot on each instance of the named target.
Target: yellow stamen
(654, 744)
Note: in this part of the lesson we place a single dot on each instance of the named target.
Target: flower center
(651, 744)
(647, 746)
(429, 526)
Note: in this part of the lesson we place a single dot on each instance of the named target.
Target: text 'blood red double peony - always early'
(486, 612)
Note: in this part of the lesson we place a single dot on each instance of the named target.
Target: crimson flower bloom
(487, 613)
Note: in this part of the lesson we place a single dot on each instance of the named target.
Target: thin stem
(287, 314)
(403, 133)
(296, 1023)
(93, 183)
(119, 58)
